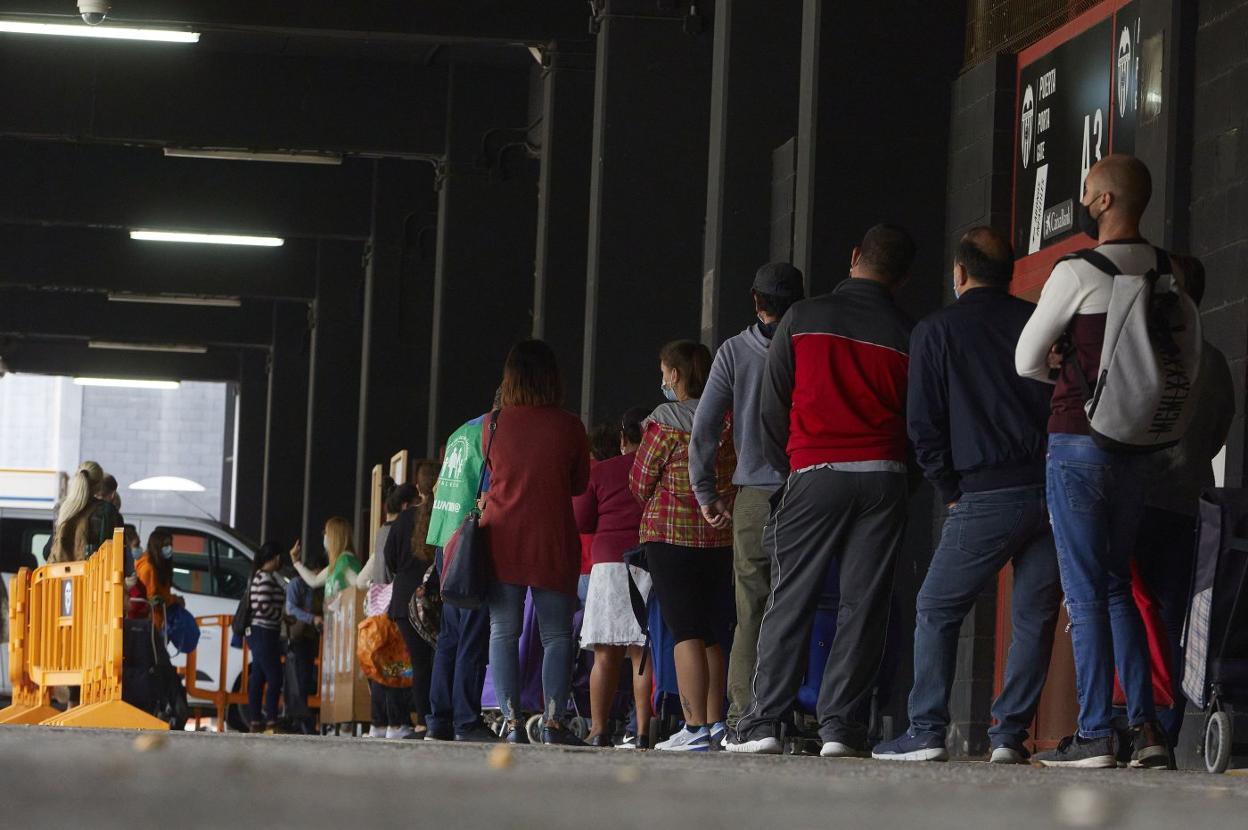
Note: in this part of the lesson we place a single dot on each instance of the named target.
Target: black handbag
(465, 557)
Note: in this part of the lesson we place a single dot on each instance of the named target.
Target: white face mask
(167, 551)
(325, 542)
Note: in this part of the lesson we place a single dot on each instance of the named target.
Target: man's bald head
(1127, 179)
(987, 256)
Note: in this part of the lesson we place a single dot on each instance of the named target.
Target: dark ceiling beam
(434, 21)
(117, 93)
(80, 316)
(108, 260)
(58, 183)
(50, 357)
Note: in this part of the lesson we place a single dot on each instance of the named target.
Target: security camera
(93, 11)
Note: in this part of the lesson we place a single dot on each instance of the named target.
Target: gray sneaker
(1081, 753)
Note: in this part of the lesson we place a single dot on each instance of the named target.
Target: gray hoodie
(733, 385)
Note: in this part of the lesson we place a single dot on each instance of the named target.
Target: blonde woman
(343, 570)
(83, 522)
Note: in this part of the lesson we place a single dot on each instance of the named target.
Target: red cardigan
(608, 510)
(539, 462)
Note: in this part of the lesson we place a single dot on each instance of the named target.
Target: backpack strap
(1098, 260)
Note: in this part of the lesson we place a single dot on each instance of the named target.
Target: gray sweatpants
(860, 519)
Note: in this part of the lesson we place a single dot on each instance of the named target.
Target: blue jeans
(554, 619)
(458, 667)
(265, 678)
(984, 531)
(1096, 499)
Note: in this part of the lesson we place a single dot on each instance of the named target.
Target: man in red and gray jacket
(833, 412)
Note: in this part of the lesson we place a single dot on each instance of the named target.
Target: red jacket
(835, 386)
(539, 461)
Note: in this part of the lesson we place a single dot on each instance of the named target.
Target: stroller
(1215, 675)
(531, 701)
(149, 680)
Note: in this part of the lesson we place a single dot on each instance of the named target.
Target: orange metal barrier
(73, 625)
(221, 697)
(31, 703)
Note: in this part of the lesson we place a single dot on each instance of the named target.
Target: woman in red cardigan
(539, 461)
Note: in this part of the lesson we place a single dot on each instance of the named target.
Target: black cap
(780, 279)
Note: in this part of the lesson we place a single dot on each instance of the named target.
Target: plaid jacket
(660, 480)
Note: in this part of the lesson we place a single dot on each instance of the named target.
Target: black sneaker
(601, 742)
(516, 734)
(442, 733)
(559, 735)
(1150, 747)
(477, 734)
(1082, 753)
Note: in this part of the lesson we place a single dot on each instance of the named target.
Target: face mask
(1086, 222)
(167, 552)
(767, 330)
(668, 392)
(325, 541)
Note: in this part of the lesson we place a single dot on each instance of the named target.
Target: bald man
(1096, 497)
(979, 433)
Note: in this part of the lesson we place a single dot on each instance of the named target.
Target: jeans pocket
(1083, 486)
(988, 528)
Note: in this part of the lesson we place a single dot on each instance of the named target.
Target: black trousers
(858, 519)
(422, 667)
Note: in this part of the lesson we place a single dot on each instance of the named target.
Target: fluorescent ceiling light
(128, 383)
(169, 484)
(175, 299)
(208, 238)
(18, 27)
(250, 155)
(177, 348)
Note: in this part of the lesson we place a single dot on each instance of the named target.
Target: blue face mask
(167, 552)
(668, 392)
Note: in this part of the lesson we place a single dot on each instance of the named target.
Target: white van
(211, 566)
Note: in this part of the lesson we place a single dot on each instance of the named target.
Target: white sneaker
(1007, 755)
(836, 749)
(719, 734)
(397, 733)
(687, 741)
(763, 746)
(376, 731)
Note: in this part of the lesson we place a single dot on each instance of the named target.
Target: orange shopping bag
(382, 653)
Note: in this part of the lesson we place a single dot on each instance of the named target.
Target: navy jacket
(975, 424)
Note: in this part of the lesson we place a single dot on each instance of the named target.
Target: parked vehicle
(211, 567)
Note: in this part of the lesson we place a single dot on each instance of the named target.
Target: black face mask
(1085, 222)
(767, 330)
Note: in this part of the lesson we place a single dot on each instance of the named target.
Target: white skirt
(609, 618)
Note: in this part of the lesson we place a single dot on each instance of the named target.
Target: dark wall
(1219, 212)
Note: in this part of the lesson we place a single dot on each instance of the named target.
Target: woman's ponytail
(80, 490)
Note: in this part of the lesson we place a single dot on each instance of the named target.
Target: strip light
(175, 299)
(128, 383)
(250, 155)
(18, 27)
(174, 348)
(208, 238)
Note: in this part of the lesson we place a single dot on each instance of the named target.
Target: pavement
(105, 779)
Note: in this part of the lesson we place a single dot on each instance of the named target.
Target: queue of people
(785, 460)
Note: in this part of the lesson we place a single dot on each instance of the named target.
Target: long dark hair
(268, 552)
(162, 567)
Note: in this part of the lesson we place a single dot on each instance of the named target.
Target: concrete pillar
(333, 391)
(563, 210)
(251, 416)
(873, 118)
(753, 113)
(487, 212)
(397, 294)
(286, 425)
(647, 199)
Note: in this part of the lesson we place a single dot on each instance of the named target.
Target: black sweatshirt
(975, 424)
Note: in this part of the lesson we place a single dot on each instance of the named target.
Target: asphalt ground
(104, 779)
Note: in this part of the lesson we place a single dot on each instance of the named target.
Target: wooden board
(344, 688)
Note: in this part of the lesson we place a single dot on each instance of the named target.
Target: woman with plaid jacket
(690, 562)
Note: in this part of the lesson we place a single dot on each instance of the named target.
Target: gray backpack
(1145, 393)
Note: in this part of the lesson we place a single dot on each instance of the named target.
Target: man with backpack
(1097, 465)
(979, 433)
(733, 386)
